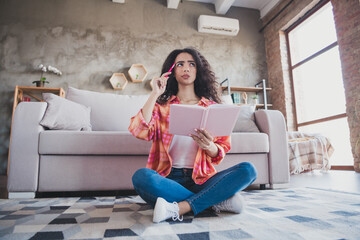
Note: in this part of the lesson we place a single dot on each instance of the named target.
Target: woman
(180, 176)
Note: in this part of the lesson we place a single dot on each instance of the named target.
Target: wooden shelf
(262, 105)
(245, 89)
(118, 81)
(137, 73)
(259, 87)
(33, 92)
(20, 91)
(257, 105)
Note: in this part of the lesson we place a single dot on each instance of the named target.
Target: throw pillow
(226, 99)
(246, 119)
(109, 112)
(62, 114)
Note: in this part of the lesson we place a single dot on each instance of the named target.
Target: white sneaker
(164, 210)
(234, 204)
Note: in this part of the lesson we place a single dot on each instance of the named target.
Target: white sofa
(104, 159)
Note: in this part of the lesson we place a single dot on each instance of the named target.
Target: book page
(221, 119)
(184, 119)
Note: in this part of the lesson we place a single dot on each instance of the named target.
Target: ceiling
(222, 6)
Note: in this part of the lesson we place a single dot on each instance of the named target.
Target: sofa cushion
(109, 112)
(226, 99)
(91, 143)
(249, 142)
(246, 119)
(62, 114)
(116, 143)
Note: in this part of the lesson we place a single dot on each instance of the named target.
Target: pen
(172, 67)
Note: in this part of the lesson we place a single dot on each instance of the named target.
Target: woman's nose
(186, 68)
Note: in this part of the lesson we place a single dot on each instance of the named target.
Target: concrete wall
(88, 40)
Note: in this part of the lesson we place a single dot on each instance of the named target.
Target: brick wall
(276, 55)
(347, 20)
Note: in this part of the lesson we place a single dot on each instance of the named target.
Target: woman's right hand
(158, 88)
(159, 84)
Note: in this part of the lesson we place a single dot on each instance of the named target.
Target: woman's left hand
(205, 141)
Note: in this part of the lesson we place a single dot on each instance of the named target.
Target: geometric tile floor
(299, 213)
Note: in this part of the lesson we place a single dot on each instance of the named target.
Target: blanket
(308, 152)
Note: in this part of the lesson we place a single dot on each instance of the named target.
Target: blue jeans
(178, 185)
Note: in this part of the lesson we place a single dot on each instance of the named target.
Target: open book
(218, 119)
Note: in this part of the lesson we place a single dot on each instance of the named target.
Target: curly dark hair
(205, 83)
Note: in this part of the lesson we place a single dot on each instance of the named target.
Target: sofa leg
(14, 195)
(262, 186)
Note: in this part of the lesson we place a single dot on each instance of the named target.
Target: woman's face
(185, 69)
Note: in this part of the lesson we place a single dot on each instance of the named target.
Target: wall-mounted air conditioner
(218, 25)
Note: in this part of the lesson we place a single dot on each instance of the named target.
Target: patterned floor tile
(199, 236)
(28, 228)
(302, 213)
(119, 232)
(97, 220)
(230, 234)
(47, 236)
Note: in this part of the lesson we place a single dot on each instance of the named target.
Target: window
(317, 80)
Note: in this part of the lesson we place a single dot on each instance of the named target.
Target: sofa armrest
(272, 123)
(24, 147)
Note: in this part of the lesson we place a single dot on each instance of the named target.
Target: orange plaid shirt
(157, 130)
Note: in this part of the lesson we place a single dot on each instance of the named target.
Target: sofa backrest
(112, 112)
(109, 112)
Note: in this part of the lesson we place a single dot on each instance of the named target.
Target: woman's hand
(205, 142)
(159, 84)
(158, 88)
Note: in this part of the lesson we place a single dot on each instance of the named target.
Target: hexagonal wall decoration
(137, 73)
(118, 81)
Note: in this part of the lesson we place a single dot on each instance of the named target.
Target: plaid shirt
(157, 130)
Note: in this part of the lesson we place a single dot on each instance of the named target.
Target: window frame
(307, 59)
(292, 67)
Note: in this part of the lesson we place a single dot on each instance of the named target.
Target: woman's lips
(185, 76)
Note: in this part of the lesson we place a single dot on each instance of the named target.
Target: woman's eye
(192, 64)
(179, 64)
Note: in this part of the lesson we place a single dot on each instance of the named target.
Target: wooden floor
(347, 181)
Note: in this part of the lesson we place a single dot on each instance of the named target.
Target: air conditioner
(218, 25)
